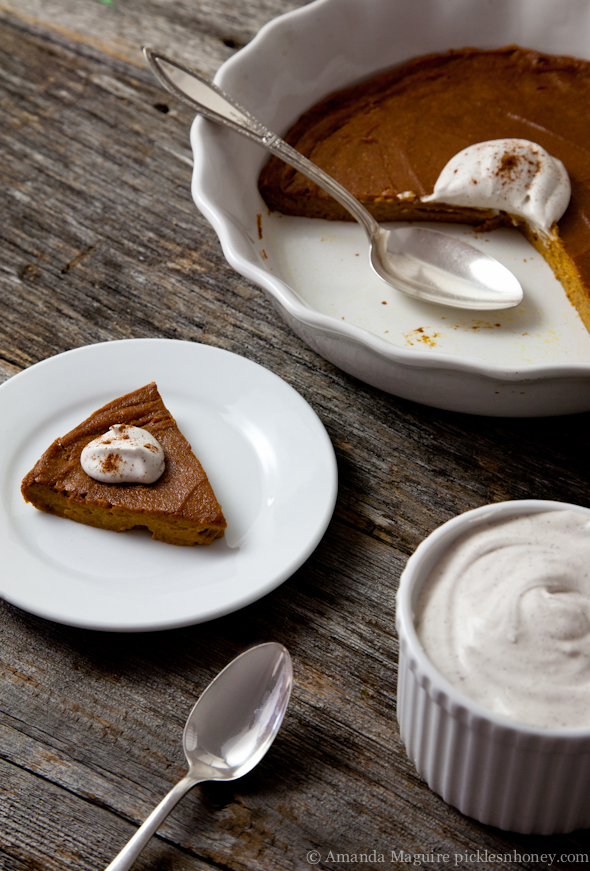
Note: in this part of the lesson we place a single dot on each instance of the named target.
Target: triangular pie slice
(179, 508)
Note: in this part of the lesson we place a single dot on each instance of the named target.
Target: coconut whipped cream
(124, 455)
(505, 617)
(510, 175)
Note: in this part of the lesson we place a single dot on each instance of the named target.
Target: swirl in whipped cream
(510, 175)
(505, 617)
(124, 455)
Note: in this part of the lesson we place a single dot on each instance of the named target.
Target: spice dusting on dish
(419, 335)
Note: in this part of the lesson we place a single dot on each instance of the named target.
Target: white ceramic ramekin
(491, 768)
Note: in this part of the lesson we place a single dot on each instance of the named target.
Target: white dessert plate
(528, 361)
(265, 451)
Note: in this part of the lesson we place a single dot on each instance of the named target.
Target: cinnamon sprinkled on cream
(124, 455)
(510, 175)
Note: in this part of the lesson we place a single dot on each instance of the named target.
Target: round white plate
(531, 360)
(265, 451)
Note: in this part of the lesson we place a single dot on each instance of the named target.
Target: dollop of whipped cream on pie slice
(124, 455)
(511, 175)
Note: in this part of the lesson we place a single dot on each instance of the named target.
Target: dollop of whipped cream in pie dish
(124, 455)
(512, 175)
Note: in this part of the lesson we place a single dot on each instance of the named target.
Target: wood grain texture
(100, 240)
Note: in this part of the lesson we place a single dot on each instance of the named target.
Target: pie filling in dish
(388, 139)
(178, 508)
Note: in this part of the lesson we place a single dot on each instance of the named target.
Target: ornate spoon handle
(214, 104)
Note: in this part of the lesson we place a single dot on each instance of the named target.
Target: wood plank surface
(100, 240)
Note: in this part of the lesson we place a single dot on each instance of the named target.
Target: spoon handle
(214, 104)
(133, 848)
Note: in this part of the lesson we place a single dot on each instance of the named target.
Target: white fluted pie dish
(532, 361)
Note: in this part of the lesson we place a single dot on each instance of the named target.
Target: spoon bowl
(234, 722)
(228, 731)
(422, 263)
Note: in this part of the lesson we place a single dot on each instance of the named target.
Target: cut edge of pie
(286, 190)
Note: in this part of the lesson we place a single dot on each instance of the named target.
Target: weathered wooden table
(91, 722)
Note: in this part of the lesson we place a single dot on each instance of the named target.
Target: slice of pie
(179, 508)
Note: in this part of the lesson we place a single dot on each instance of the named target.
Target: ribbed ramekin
(502, 773)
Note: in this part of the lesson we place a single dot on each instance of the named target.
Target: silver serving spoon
(228, 731)
(422, 263)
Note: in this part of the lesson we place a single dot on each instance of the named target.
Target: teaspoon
(228, 731)
(420, 262)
